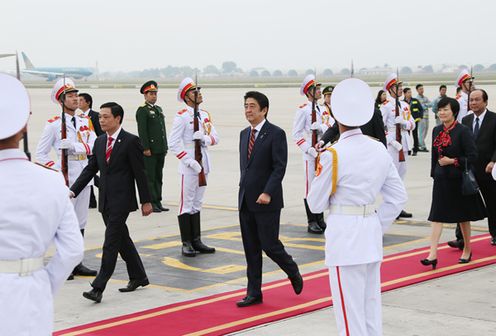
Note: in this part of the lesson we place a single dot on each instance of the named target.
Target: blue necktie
(476, 128)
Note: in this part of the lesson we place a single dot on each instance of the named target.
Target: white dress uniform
(35, 213)
(181, 143)
(302, 136)
(463, 98)
(355, 228)
(388, 111)
(82, 137)
(463, 101)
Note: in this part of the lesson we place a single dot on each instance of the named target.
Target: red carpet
(218, 315)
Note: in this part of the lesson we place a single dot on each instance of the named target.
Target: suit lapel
(117, 146)
(244, 147)
(485, 123)
(260, 139)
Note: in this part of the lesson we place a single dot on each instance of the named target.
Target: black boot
(80, 269)
(313, 226)
(321, 222)
(185, 228)
(195, 230)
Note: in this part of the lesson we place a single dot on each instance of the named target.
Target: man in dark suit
(118, 155)
(482, 123)
(374, 128)
(263, 157)
(85, 104)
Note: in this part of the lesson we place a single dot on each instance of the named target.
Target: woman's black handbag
(469, 183)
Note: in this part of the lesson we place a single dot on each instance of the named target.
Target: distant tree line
(230, 68)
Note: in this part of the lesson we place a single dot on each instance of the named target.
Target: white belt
(352, 210)
(23, 267)
(79, 157)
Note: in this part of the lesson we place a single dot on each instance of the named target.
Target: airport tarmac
(462, 304)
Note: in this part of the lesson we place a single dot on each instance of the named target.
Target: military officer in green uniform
(151, 130)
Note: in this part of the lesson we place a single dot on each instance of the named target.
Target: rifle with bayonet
(401, 154)
(202, 181)
(470, 83)
(63, 135)
(314, 116)
(25, 135)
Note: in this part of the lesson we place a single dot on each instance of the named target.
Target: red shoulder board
(182, 111)
(302, 106)
(385, 102)
(53, 119)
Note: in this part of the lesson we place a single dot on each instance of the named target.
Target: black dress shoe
(70, 277)
(156, 208)
(414, 153)
(459, 244)
(83, 270)
(297, 283)
(465, 261)
(164, 209)
(133, 284)
(427, 262)
(249, 301)
(94, 295)
(404, 214)
(313, 227)
(493, 241)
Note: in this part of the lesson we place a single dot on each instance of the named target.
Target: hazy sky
(134, 35)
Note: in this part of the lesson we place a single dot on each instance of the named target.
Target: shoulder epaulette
(385, 102)
(46, 167)
(302, 106)
(182, 111)
(53, 119)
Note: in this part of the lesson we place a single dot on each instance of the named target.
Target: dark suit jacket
(485, 142)
(374, 128)
(264, 172)
(117, 178)
(462, 148)
(95, 120)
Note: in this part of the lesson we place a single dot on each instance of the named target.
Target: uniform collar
(12, 154)
(151, 105)
(350, 133)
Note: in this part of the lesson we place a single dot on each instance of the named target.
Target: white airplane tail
(27, 61)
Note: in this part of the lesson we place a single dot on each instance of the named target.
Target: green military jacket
(151, 128)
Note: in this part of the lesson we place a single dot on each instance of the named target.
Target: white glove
(315, 126)
(198, 135)
(400, 120)
(396, 145)
(195, 166)
(312, 152)
(67, 144)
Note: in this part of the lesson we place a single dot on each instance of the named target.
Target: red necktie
(252, 142)
(109, 149)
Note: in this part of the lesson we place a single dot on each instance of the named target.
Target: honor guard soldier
(35, 213)
(327, 114)
(404, 120)
(465, 82)
(182, 143)
(349, 177)
(151, 130)
(302, 136)
(78, 143)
